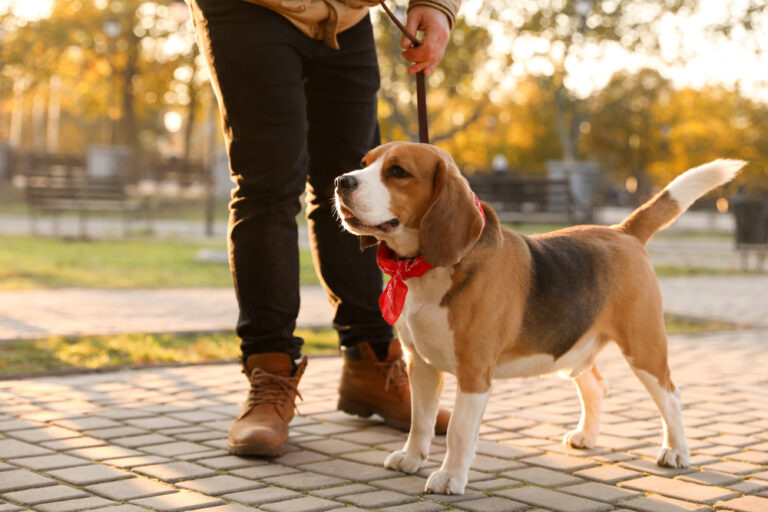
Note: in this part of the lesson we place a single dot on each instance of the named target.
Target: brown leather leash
(421, 87)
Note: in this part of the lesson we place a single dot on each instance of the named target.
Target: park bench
(517, 200)
(61, 183)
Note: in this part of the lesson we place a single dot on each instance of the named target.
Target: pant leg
(258, 74)
(341, 93)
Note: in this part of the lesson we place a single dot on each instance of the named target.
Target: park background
(634, 92)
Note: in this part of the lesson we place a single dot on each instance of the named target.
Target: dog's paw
(580, 439)
(403, 461)
(443, 482)
(672, 458)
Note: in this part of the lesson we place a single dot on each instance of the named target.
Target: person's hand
(436, 27)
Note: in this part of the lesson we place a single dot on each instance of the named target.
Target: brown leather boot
(262, 427)
(369, 385)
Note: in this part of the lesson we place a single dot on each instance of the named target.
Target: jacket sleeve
(449, 7)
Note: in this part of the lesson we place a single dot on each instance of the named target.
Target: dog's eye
(363, 165)
(398, 172)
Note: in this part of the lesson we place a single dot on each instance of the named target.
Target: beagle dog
(489, 303)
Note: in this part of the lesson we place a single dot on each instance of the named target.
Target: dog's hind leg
(592, 388)
(649, 362)
(674, 452)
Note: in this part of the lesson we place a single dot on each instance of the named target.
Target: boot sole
(365, 411)
(256, 450)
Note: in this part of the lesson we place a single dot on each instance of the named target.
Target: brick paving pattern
(155, 440)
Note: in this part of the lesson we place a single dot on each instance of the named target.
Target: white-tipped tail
(662, 209)
(694, 183)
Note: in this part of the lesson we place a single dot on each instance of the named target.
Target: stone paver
(88, 475)
(32, 497)
(74, 505)
(22, 479)
(678, 489)
(745, 504)
(182, 500)
(132, 489)
(154, 439)
(553, 500)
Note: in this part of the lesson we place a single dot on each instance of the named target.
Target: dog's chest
(424, 324)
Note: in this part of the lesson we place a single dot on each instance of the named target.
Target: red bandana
(392, 299)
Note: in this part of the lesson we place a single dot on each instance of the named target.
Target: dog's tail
(662, 209)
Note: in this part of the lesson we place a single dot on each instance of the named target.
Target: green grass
(57, 353)
(683, 325)
(61, 354)
(34, 262)
(31, 262)
(678, 271)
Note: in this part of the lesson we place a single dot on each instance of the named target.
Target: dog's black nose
(346, 182)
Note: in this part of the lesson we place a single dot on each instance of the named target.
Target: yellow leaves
(102, 66)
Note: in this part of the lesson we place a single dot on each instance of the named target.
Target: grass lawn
(37, 262)
(34, 262)
(57, 353)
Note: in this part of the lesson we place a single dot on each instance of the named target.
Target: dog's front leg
(463, 430)
(426, 385)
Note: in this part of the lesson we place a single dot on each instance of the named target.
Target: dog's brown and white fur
(499, 304)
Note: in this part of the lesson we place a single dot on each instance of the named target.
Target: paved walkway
(38, 313)
(154, 440)
(741, 300)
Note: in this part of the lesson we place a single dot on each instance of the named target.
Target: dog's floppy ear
(367, 241)
(452, 223)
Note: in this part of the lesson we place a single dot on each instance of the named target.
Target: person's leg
(341, 93)
(257, 73)
(341, 108)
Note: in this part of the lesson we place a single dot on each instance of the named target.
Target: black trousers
(296, 114)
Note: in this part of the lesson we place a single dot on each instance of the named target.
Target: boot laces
(269, 388)
(395, 372)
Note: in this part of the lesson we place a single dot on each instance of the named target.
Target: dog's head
(413, 197)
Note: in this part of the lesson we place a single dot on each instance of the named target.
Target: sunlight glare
(28, 9)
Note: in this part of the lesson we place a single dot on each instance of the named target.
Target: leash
(421, 88)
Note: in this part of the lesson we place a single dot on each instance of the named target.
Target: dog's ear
(452, 223)
(367, 241)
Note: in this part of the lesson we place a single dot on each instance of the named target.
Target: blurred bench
(517, 200)
(61, 183)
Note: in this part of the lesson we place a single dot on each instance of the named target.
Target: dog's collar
(392, 298)
(480, 209)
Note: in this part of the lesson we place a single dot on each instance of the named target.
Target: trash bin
(5, 162)
(751, 222)
(751, 229)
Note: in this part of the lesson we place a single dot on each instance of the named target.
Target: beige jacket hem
(325, 19)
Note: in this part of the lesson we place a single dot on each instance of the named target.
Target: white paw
(579, 439)
(405, 462)
(671, 458)
(443, 482)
